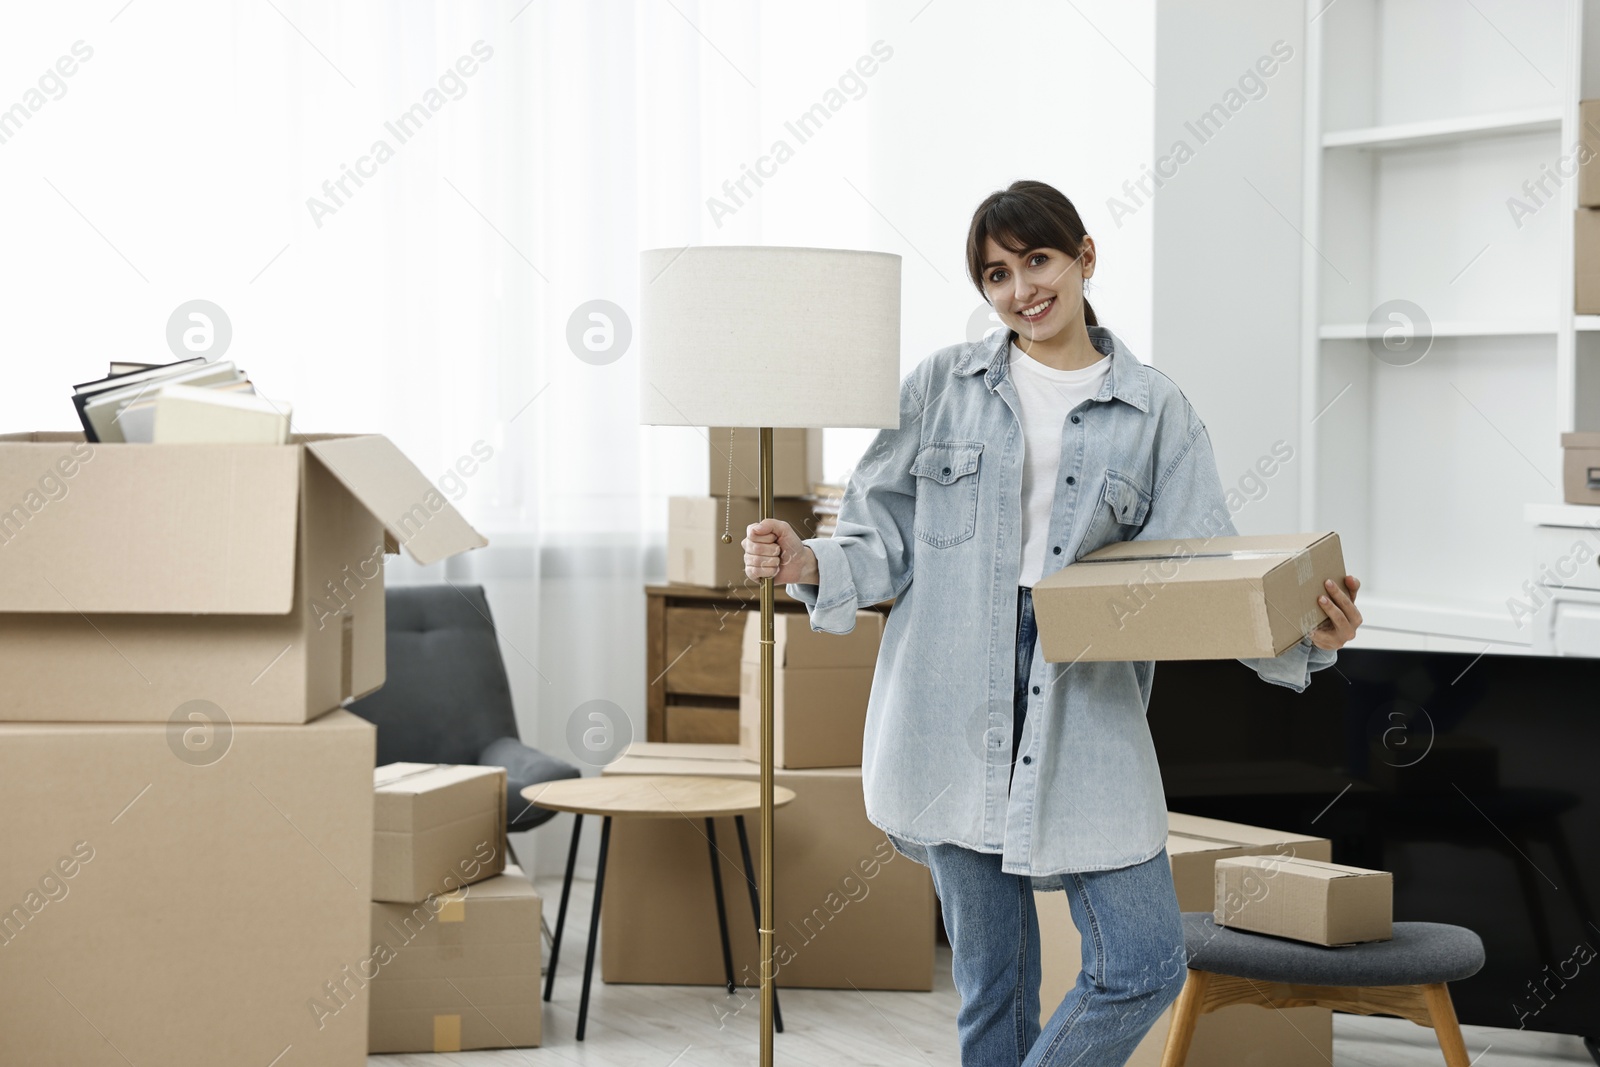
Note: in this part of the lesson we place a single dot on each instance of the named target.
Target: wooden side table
(651, 796)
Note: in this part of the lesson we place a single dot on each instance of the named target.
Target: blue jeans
(1133, 962)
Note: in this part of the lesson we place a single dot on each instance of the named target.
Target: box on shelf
(458, 972)
(1589, 160)
(201, 906)
(821, 682)
(1306, 900)
(438, 827)
(1581, 467)
(850, 911)
(1586, 261)
(1193, 598)
(1239, 1036)
(695, 552)
(796, 461)
(141, 577)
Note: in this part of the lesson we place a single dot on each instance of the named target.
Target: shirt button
(947, 471)
(1035, 690)
(1027, 759)
(1077, 418)
(1056, 550)
(1071, 480)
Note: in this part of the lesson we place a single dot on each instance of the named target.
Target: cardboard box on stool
(1193, 598)
(438, 827)
(460, 971)
(1243, 1035)
(850, 910)
(139, 577)
(182, 904)
(1306, 900)
(821, 682)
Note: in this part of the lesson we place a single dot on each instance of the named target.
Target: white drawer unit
(1564, 580)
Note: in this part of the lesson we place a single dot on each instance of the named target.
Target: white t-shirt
(1046, 395)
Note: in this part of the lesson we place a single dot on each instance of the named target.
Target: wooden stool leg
(1185, 1014)
(1443, 1013)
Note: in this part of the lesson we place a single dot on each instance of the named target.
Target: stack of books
(825, 501)
(187, 402)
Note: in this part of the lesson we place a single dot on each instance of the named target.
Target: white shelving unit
(1424, 121)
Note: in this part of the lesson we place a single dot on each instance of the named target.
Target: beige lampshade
(739, 335)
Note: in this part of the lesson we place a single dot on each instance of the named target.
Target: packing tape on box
(1242, 553)
(453, 907)
(426, 768)
(447, 1033)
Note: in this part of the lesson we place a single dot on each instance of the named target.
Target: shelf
(1458, 620)
(1356, 331)
(1441, 131)
(1587, 322)
(1584, 515)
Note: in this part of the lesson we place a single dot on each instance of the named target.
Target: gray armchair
(447, 699)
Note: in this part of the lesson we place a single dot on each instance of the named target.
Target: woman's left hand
(1343, 618)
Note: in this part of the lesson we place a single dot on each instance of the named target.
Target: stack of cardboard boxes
(455, 929)
(1581, 449)
(695, 552)
(189, 812)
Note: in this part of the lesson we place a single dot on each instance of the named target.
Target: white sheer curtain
(431, 301)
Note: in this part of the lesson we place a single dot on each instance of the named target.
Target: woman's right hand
(773, 550)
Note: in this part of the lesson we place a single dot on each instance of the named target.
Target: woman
(1015, 456)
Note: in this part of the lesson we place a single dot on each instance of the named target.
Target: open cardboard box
(137, 578)
(1192, 598)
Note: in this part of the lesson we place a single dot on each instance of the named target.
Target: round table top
(654, 796)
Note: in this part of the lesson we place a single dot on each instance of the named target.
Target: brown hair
(1025, 215)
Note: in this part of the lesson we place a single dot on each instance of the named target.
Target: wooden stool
(1404, 976)
(651, 796)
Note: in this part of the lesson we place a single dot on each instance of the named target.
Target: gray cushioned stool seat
(1419, 954)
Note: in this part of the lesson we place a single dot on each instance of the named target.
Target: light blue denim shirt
(932, 518)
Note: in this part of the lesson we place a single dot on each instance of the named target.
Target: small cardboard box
(1306, 900)
(1581, 466)
(695, 552)
(1199, 598)
(140, 577)
(1586, 261)
(820, 685)
(1239, 1036)
(796, 461)
(459, 971)
(1589, 164)
(161, 903)
(850, 911)
(438, 827)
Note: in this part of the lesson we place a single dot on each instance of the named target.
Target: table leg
(594, 924)
(755, 908)
(722, 909)
(561, 912)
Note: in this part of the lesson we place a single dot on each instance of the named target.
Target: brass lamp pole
(765, 924)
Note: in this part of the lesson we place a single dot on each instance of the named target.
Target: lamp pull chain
(727, 503)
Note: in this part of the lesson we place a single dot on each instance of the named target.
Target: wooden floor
(702, 1026)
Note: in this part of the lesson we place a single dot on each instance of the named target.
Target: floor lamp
(764, 337)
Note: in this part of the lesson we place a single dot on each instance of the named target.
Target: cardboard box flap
(398, 495)
(1316, 869)
(1246, 557)
(412, 797)
(173, 533)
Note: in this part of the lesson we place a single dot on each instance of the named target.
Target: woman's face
(1045, 282)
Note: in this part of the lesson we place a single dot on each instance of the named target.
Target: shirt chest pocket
(947, 491)
(1119, 511)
